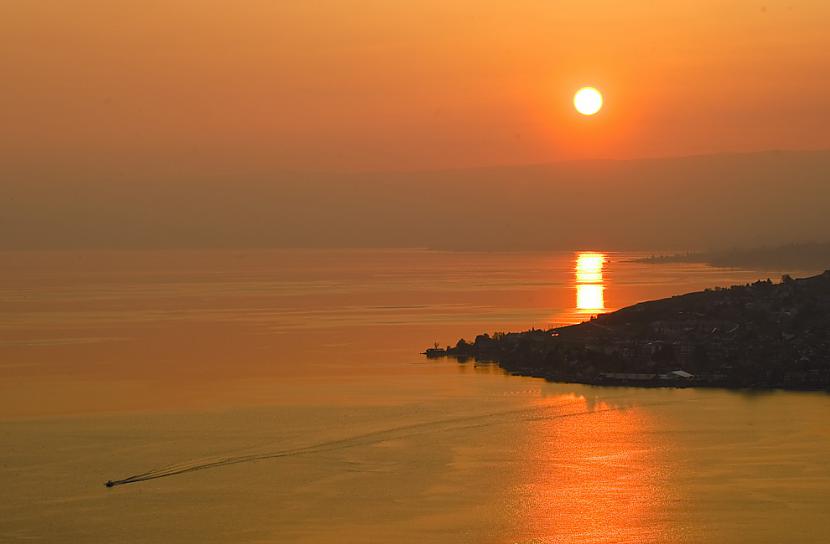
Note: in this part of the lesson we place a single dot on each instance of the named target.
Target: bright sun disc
(587, 101)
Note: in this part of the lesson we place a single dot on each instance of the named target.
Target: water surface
(117, 363)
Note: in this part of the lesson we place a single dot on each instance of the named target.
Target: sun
(588, 101)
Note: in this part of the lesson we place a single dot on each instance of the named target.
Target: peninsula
(803, 256)
(760, 335)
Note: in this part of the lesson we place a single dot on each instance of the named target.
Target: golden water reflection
(593, 475)
(590, 285)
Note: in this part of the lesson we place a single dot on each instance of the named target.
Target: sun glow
(588, 101)
(589, 282)
(589, 267)
(589, 298)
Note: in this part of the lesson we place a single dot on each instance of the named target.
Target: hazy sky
(348, 84)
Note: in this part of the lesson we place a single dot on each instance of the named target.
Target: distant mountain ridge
(725, 200)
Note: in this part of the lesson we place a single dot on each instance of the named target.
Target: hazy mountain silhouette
(691, 202)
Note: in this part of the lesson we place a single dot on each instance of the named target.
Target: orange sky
(350, 84)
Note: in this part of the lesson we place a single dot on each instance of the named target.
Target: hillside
(760, 335)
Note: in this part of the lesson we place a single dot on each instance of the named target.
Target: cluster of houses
(757, 335)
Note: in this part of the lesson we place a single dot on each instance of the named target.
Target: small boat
(433, 353)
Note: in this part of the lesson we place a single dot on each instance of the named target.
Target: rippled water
(302, 368)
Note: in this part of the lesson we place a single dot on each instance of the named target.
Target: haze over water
(117, 363)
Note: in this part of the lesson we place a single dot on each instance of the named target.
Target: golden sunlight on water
(594, 477)
(590, 286)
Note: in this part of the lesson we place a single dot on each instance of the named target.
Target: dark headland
(761, 335)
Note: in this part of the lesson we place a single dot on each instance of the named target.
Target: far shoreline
(791, 257)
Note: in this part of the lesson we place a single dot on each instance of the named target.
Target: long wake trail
(374, 437)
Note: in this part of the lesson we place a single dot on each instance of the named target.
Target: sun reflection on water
(593, 477)
(589, 298)
(590, 287)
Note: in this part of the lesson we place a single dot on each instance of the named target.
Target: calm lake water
(304, 367)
